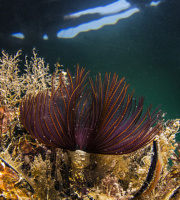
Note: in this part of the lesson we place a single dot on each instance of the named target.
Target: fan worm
(93, 116)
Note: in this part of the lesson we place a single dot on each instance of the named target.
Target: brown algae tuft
(30, 169)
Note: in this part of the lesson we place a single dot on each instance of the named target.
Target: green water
(144, 48)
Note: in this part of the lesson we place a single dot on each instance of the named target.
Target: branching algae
(78, 138)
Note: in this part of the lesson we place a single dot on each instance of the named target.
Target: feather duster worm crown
(94, 116)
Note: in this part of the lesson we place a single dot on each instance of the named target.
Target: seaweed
(43, 172)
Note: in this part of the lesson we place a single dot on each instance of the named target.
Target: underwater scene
(89, 100)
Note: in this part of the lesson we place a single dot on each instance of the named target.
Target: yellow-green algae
(58, 174)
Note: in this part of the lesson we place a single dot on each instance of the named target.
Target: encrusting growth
(84, 123)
